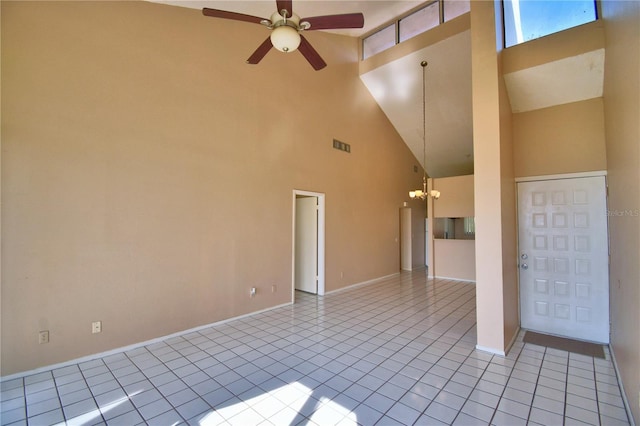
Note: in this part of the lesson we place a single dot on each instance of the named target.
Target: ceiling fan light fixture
(286, 27)
(285, 38)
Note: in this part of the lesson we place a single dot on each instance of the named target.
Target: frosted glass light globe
(285, 38)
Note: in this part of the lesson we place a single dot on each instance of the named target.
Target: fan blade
(330, 22)
(215, 13)
(286, 5)
(260, 52)
(310, 54)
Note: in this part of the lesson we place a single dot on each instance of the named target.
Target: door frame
(595, 173)
(321, 240)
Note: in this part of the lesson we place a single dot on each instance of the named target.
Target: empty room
(320, 212)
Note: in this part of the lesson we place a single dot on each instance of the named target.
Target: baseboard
(362, 283)
(490, 350)
(513, 341)
(133, 346)
(454, 279)
(627, 406)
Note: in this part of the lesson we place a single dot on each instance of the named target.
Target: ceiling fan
(286, 28)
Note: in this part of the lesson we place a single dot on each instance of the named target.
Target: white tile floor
(397, 352)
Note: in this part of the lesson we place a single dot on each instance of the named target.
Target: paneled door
(564, 257)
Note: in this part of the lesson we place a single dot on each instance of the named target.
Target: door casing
(321, 240)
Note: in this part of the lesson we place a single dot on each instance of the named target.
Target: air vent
(341, 146)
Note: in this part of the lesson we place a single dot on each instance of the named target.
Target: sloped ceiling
(572, 79)
(397, 87)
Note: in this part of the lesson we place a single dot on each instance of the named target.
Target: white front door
(564, 259)
(306, 244)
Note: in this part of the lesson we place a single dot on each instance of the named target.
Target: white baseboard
(363, 283)
(490, 350)
(513, 340)
(506, 350)
(627, 407)
(454, 279)
(131, 347)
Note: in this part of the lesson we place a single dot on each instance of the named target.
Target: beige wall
(455, 259)
(510, 301)
(565, 138)
(456, 196)
(622, 112)
(148, 173)
(493, 179)
(564, 44)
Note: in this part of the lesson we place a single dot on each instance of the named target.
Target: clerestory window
(526, 20)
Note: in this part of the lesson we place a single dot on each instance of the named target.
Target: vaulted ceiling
(397, 85)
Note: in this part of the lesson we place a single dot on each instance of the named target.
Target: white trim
(514, 339)
(625, 400)
(439, 277)
(562, 176)
(363, 283)
(133, 346)
(321, 241)
(490, 350)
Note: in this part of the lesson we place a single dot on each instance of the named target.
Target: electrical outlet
(274, 288)
(96, 327)
(43, 336)
(252, 292)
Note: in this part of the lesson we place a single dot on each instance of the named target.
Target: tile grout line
(506, 384)
(440, 358)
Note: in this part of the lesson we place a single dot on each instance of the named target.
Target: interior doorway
(406, 240)
(308, 243)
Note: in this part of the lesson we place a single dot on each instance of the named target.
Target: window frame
(396, 23)
(504, 25)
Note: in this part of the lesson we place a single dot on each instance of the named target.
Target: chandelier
(422, 194)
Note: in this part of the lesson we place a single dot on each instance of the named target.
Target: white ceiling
(572, 79)
(376, 12)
